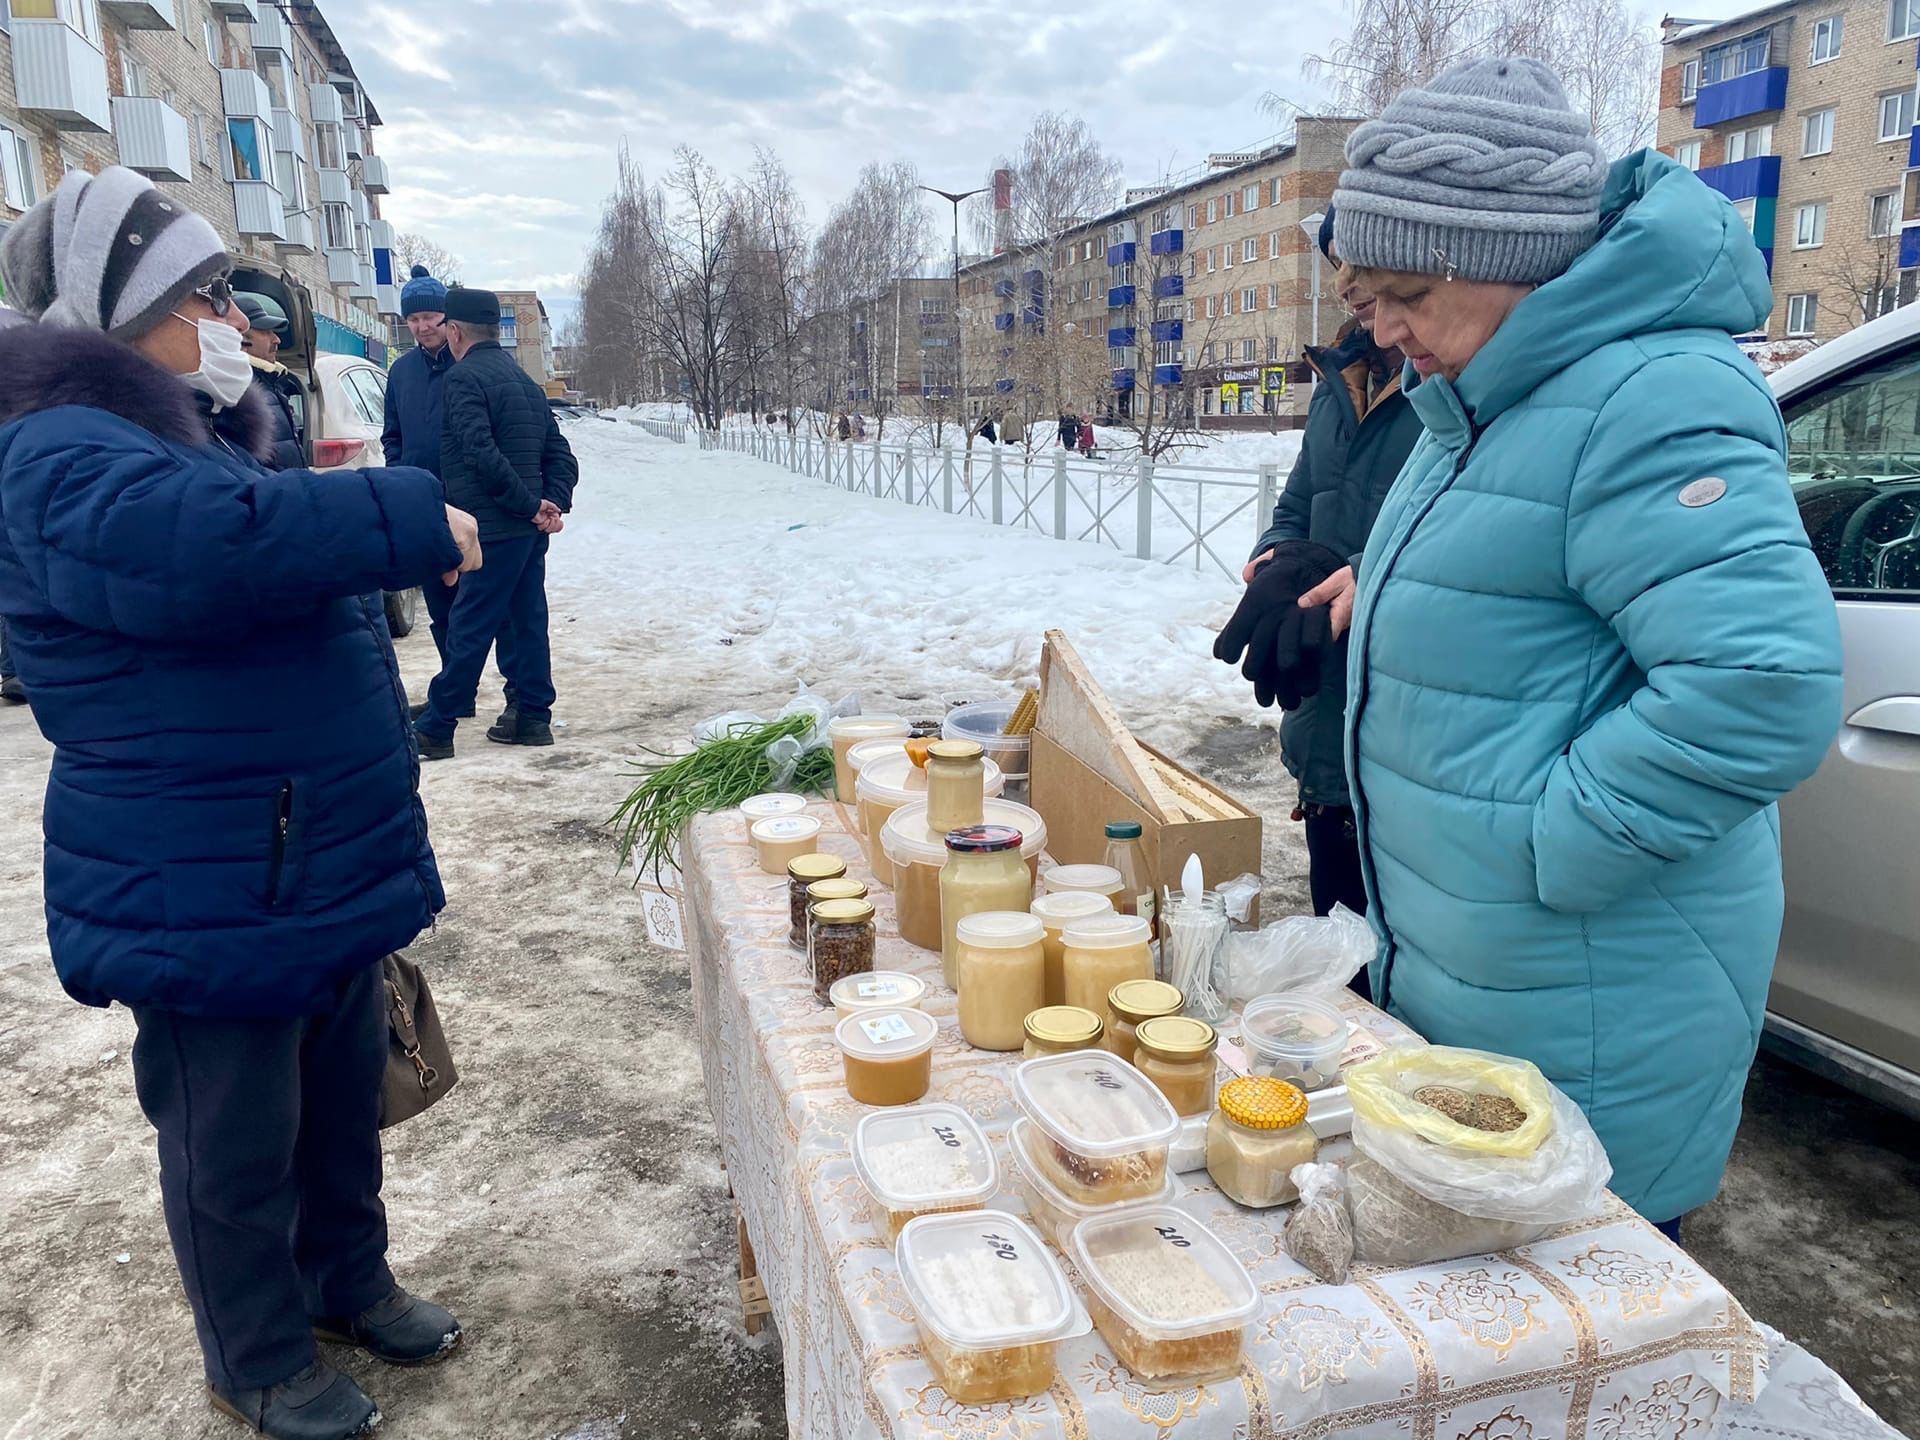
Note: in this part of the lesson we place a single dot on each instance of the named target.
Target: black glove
(1283, 645)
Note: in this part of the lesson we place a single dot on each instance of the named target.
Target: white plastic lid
(1094, 1104)
(1088, 879)
(784, 829)
(897, 781)
(924, 1155)
(886, 1034)
(878, 990)
(1056, 912)
(866, 752)
(999, 930)
(869, 727)
(1107, 932)
(908, 840)
(1163, 1273)
(1019, 1142)
(766, 807)
(1294, 1027)
(983, 1280)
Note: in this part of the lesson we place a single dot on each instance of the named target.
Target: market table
(1602, 1329)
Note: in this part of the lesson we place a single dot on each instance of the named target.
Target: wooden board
(1076, 714)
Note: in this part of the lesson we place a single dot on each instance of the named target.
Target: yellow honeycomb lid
(1260, 1102)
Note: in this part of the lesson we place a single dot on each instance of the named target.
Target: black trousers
(270, 1173)
(1333, 869)
(439, 600)
(506, 597)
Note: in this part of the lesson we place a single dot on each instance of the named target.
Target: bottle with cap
(1126, 854)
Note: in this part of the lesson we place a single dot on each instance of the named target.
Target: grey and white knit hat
(1485, 173)
(108, 252)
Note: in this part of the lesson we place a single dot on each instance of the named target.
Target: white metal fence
(1205, 516)
(674, 430)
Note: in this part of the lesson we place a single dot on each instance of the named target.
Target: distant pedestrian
(1012, 432)
(859, 426)
(285, 400)
(1086, 435)
(986, 431)
(843, 426)
(503, 457)
(1069, 431)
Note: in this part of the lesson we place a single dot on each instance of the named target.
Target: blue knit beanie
(422, 293)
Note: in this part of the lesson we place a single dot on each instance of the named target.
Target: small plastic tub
(866, 752)
(1295, 1038)
(1104, 1130)
(1051, 1209)
(926, 1160)
(783, 839)
(888, 1055)
(850, 730)
(990, 1303)
(983, 722)
(888, 785)
(1166, 1294)
(1084, 880)
(756, 808)
(880, 990)
(918, 856)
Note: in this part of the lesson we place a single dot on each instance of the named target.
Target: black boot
(14, 693)
(317, 1404)
(509, 720)
(416, 711)
(521, 731)
(432, 749)
(402, 1329)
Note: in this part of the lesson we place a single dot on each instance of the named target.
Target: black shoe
(509, 718)
(432, 749)
(416, 711)
(521, 732)
(402, 1329)
(317, 1404)
(14, 693)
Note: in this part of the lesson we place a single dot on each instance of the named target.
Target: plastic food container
(1166, 1294)
(1002, 977)
(1052, 1210)
(927, 1160)
(756, 808)
(881, 990)
(1100, 952)
(1295, 1038)
(865, 752)
(918, 855)
(990, 1303)
(850, 730)
(783, 840)
(1056, 912)
(888, 1055)
(1084, 880)
(983, 722)
(891, 784)
(1104, 1130)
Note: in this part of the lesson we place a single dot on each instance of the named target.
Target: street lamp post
(954, 198)
(1312, 226)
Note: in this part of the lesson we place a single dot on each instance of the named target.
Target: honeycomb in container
(981, 1377)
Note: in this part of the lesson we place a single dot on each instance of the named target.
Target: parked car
(1846, 992)
(343, 409)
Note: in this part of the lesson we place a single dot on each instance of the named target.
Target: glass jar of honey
(1056, 912)
(1255, 1138)
(1059, 1029)
(1176, 1054)
(1133, 1002)
(1002, 977)
(1098, 953)
(956, 785)
(984, 871)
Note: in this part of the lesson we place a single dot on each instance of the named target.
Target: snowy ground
(567, 1200)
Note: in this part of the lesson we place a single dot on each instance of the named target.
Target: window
(1816, 135)
(337, 221)
(279, 80)
(1249, 299)
(1896, 115)
(1247, 351)
(1273, 297)
(1810, 225)
(1273, 348)
(1744, 209)
(1903, 19)
(1866, 424)
(210, 33)
(138, 78)
(247, 151)
(203, 138)
(1226, 306)
(1250, 198)
(1213, 211)
(1166, 352)
(1226, 205)
(1226, 255)
(17, 182)
(1206, 353)
(1689, 81)
(1193, 217)
(1273, 245)
(367, 388)
(1086, 288)
(1883, 214)
(1801, 313)
(1250, 248)
(1736, 57)
(1882, 301)
(1099, 247)
(1748, 144)
(1826, 38)
(1193, 264)
(1212, 301)
(326, 148)
(1206, 396)
(1688, 154)
(1189, 309)
(1210, 259)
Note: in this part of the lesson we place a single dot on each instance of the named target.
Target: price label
(1106, 1080)
(868, 989)
(885, 1029)
(1001, 1246)
(1173, 1237)
(944, 1134)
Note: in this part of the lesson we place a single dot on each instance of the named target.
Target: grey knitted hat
(1485, 173)
(108, 252)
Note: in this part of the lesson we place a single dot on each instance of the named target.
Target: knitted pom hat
(422, 294)
(1485, 173)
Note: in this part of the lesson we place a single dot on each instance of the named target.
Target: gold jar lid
(1064, 1025)
(1137, 1000)
(842, 912)
(843, 888)
(956, 750)
(816, 867)
(1175, 1037)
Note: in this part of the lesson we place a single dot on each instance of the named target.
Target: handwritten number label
(944, 1134)
(1173, 1237)
(1106, 1080)
(1001, 1246)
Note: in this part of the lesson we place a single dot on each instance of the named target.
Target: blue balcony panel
(1167, 374)
(1766, 254)
(1745, 179)
(1123, 379)
(1003, 288)
(1121, 254)
(1169, 330)
(1168, 285)
(1913, 149)
(1004, 387)
(1119, 297)
(1758, 92)
(1033, 314)
(1910, 247)
(1166, 242)
(1034, 278)
(1120, 338)
(1003, 321)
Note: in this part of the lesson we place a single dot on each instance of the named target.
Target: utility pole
(959, 341)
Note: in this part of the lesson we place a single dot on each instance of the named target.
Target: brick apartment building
(899, 356)
(247, 110)
(525, 330)
(1802, 114)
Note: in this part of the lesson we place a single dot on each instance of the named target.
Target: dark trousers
(1333, 869)
(270, 1173)
(7, 671)
(439, 600)
(505, 597)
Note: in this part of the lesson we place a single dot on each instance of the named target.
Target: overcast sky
(502, 117)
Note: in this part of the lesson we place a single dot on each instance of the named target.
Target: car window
(372, 406)
(1853, 455)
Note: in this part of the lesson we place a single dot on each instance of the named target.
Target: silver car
(1846, 993)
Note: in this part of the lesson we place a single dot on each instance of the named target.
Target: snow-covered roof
(1743, 21)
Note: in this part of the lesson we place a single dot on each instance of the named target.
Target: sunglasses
(217, 292)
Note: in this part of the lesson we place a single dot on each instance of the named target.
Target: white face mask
(225, 372)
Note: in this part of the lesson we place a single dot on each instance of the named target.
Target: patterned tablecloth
(1602, 1329)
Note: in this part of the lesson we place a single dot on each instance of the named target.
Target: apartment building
(1202, 287)
(525, 330)
(899, 353)
(1802, 114)
(247, 110)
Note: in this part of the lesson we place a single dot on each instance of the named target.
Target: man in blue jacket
(503, 460)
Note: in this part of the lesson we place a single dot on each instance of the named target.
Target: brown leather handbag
(419, 1061)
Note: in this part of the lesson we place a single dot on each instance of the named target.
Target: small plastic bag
(1394, 1224)
(1302, 952)
(1238, 894)
(1320, 1230)
(734, 722)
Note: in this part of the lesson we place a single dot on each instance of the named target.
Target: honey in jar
(1176, 1054)
(984, 871)
(1002, 977)
(1132, 1002)
(1056, 912)
(1099, 953)
(1059, 1029)
(888, 1055)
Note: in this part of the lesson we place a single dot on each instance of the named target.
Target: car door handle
(1897, 714)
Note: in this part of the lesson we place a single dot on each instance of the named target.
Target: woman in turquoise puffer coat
(1591, 646)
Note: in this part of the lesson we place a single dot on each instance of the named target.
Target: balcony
(387, 299)
(928, 318)
(245, 96)
(289, 136)
(335, 188)
(299, 237)
(59, 77)
(1122, 254)
(1003, 321)
(1123, 379)
(1003, 387)
(1121, 338)
(362, 215)
(1003, 288)
(325, 101)
(247, 11)
(1165, 286)
(140, 14)
(1758, 92)
(343, 267)
(1168, 374)
(1164, 330)
(1910, 247)
(363, 287)
(1119, 297)
(152, 137)
(356, 139)
(1166, 242)
(271, 32)
(373, 175)
(259, 210)
(348, 89)
(1744, 179)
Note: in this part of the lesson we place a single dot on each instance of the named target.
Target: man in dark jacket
(286, 402)
(504, 460)
(1360, 430)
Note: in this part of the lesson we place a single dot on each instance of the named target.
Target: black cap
(259, 317)
(472, 307)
